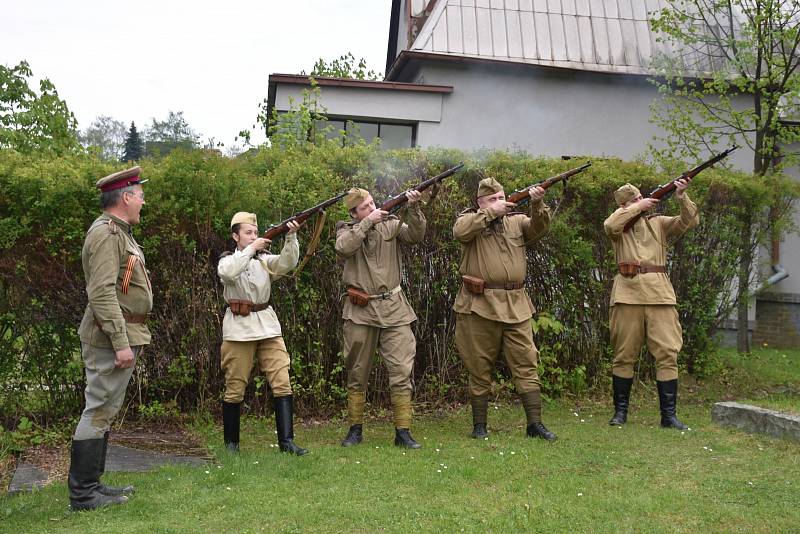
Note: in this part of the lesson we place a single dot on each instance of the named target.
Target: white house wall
(400, 106)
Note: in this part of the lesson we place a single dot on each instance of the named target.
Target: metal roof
(595, 35)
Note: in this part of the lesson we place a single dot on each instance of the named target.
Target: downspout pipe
(779, 273)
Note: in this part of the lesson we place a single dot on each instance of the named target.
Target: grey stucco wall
(542, 111)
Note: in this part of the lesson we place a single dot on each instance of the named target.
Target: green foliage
(48, 204)
(174, 132)
(107, 136)
(345, 67)
(32, 122)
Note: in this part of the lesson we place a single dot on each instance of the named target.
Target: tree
(344, 67)
(134, 149)
(729, 52)
(107, 136)
(162, 137)
(30, 121)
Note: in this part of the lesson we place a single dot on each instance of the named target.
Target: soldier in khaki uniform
(251, 329)
(380, 315)
(642, 298)
(493, 309)
(113, 332)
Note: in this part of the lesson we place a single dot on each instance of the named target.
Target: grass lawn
(639, 478)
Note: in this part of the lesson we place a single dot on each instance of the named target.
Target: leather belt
(644, 269)
(508, 286)
(130, 318)
(386, 295)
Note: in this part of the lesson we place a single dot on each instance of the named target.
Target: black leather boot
(84, 477)
(284, 415)
(231, 413)
(402, 438)
(668, 398)
(354, 436)
(538, 430)
(480, 407)
(111, 491)
(622, 395)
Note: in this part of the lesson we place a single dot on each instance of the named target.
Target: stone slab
(756, 420)
(27, 477)
(128, 460)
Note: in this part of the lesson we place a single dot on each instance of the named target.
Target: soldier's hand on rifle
(261, 244)
(646, 204)
(413, 196)
(293, 226)
(681, 186)
(378, 215)
(124, 358)
(501, 207)
(536, 193)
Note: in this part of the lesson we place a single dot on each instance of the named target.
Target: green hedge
(47, 204)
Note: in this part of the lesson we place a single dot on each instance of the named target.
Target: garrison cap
(244, 217)
(625, 193)
(355, 197)
(120, 179)
(488, 186)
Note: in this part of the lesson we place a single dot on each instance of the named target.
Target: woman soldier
(251, 328)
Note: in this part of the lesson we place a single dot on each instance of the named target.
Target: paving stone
(27, 477)
(756, 420)
(125, 459)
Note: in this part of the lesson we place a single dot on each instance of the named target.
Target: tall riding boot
(480, 407)
(84, 477)
(355, 413)
(231, 414)
(284, 415)
(622, 395)
(532, 403)
(111, 491)
(401, 406)
(668, 398)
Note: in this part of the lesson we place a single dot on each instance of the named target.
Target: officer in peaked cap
(113, 332)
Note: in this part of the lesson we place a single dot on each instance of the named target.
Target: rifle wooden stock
(282, 227)
(522, 195)
(664, 191)
(397, 201)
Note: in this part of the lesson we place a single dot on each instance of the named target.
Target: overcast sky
(137, 60)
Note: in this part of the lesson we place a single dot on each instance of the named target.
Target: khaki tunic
(493, 249)
(643, 306)
(372, 264)
(638, 244)
(109, 254)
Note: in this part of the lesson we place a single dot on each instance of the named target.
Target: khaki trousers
(479, 342)
(633, 324)
(105, 390)
(237, 362)
(397, 348)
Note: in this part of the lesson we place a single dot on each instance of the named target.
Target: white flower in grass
(583, 420)
(471, 457)
(575, 414)
(254, 463)
(512, 452)
(208, 472)
(437, 450)
(438, 470)
(358, 462)
(501, 453)
(580, 494)
(228, 488)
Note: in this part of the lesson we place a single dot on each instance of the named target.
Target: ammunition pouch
(473, 284)
(357, 297)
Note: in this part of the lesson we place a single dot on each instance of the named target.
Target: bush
(47, 204)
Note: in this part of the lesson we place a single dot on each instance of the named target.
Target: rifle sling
(312, 245)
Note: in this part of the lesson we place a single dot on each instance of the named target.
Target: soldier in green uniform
(493, 309)
(113, 332)
(643, 304)
(376, 312)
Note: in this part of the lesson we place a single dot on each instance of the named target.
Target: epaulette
(112, 227)
(468, 210)
(225, 254)
(342, 224)
(510, 213)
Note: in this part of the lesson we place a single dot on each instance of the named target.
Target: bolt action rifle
(396, 202)
(663, 192)
(523, 195)
(282, 227)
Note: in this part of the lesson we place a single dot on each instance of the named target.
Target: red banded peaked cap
(120, 179)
